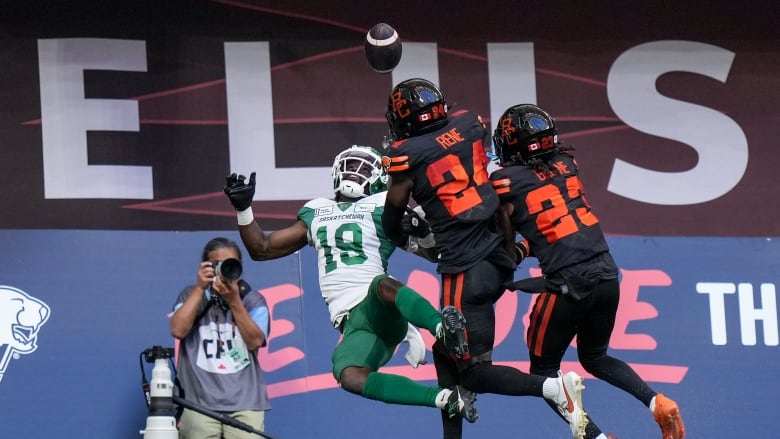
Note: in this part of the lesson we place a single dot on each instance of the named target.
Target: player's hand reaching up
(239, 192)
(414, 225)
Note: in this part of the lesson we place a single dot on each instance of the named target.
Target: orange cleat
(668, 417)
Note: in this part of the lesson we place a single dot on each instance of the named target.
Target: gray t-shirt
(215, 369)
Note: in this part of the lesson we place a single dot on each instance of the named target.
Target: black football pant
(557, 319)
(474, 292)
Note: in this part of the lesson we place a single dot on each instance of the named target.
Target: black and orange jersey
(551, 212)
(451, 183)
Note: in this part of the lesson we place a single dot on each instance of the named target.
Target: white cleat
(569, 403)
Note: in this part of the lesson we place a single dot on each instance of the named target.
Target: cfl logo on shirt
(21, 317)
(217, 342)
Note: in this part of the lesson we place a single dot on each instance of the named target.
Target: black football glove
(414, 225)
(240, 193)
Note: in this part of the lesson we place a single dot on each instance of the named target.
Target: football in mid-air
(383, 48)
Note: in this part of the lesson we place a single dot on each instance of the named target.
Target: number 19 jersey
(352, 248)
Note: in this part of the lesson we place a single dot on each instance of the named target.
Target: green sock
(417, 309)
(396, 389)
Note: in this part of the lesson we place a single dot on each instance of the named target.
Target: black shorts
(474, 292)
(579, 280)
(556, 319)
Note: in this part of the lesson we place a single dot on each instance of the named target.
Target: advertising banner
(697, 320)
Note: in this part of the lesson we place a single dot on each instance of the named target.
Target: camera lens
(229, 269)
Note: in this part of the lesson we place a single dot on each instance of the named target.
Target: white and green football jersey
(351, 245)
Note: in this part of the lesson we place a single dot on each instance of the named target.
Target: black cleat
(461, 403)
(454, 331)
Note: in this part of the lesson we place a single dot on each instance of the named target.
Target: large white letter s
(718, 140)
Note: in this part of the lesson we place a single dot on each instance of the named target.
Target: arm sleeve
(183, 294)
(261, 318)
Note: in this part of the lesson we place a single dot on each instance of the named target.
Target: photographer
(221, 323)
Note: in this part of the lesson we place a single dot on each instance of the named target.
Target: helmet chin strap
(351, 189)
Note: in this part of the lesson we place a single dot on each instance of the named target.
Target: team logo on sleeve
(21, 317)
(321, 211)
(365, 207)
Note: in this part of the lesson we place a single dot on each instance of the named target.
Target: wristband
(245, 217)
(522, 250)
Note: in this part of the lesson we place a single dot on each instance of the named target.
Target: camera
(229, 270)
(157, 352)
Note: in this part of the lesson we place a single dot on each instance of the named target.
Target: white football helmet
(358, 172)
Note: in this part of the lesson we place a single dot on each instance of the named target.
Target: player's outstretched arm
(260, 245)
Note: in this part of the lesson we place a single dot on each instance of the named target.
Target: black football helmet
(414, 106)
(524, 132)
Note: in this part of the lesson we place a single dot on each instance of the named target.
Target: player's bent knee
(353, 379)
(591, 362)
(388, 288)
